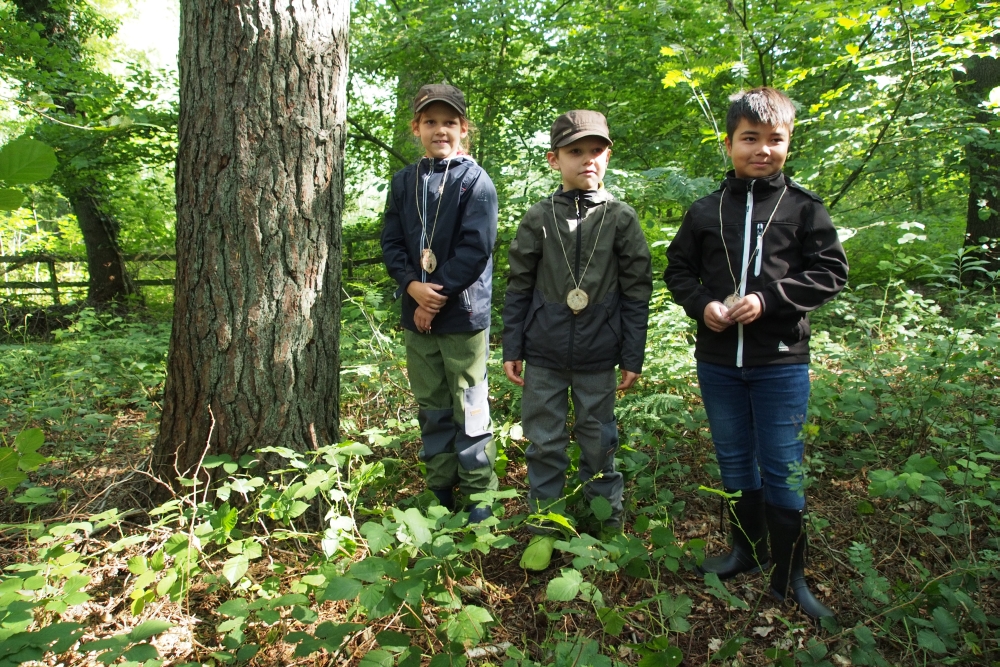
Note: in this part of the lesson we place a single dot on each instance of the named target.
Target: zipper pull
(577, 201)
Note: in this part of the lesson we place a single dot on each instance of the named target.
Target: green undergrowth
(340, 557)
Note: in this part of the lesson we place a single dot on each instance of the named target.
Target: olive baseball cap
(439, 92)
(574, 125)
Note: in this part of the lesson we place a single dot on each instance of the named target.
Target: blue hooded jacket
(462, 231)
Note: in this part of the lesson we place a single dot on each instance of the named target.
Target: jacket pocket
(802, 329)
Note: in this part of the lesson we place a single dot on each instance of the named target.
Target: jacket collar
(439, 165)
(589, 198)
(761, 186)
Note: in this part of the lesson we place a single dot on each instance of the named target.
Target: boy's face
(441, 130)
(758, 150)
(581, 163)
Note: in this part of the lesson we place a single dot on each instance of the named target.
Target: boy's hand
(717, 317)
(426, 295)
(513, 370)
(422, 318)
(628, 379)
(746, 309)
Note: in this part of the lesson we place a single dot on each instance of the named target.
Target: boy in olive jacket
(576, 307)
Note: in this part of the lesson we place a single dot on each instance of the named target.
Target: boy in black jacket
(576, 307)
(437, 244)
(748, 263)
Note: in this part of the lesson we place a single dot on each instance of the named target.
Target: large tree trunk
(982, 154)
(253, 358)
(109, 279)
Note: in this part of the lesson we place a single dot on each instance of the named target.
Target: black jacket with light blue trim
(802, 266)
(463, 240)
(613, 263)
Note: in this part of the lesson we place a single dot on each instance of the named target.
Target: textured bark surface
(982, 154)
(253, 355)
(109, 279)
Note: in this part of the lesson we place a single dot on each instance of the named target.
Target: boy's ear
(729, 145)
(415, 127)
(553, 158)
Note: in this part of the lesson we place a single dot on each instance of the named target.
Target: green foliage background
(337, 554)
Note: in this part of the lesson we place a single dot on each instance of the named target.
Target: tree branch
(885, 127)
(368, 136)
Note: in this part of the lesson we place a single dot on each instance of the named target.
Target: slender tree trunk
(253, 358)
(982, 154)
(109, 279)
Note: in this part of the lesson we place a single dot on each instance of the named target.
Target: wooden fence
(351, 244)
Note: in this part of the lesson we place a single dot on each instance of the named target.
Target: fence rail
(53, 284)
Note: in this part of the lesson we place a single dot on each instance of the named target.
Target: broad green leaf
(141, 653)
(376, 658)
(234, 568)
(31, 461)
(466, 627)
(612, 621)
(25, 161)
(234, 607)
(565, 587)
(29, 440)
(342, 588)
(10, 199)
(601, 508)
(137, 564)
(416, 524)
(391, 639)
(668, 657)
(370, 569)
(929, 640)
(944, 622)
(10, 476)
(149, 629)
(246, 652)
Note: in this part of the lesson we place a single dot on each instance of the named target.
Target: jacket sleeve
(683, 273)
(394, 253)
(524, 254)
(477, 234)
(635, 285)
(824, 269)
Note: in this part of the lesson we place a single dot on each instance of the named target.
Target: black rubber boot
(788, 548)
(446, 498)
(749, 534)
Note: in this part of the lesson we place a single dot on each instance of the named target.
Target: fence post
(55, 283)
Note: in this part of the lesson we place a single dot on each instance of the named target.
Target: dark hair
(761, 105)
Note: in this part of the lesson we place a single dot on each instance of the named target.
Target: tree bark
(109, 279)
(982, 154)
(253, 358)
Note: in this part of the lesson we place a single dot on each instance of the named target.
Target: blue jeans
(756, 414)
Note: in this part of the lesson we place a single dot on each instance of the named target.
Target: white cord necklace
(428, 260)
(577, 299)
(735, 297)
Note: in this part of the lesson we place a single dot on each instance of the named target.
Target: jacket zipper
(744, 267)
(579, 245)
(760, 249)
(423, 231)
